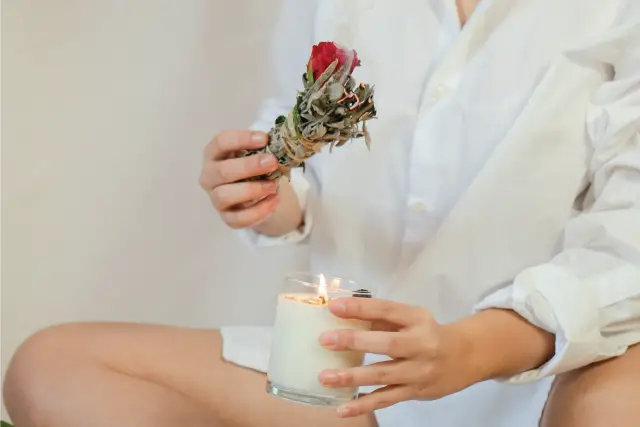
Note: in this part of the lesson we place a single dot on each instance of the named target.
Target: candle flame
(322, 288)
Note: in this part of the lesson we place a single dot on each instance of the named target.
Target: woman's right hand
(240, 204)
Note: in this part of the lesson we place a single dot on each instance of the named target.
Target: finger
(382, 373)
(227, 142)
(229, 195)
(393, 344)
(252, 216)
(232, 170)
(379, 309)
(379, 399)
(384, 326)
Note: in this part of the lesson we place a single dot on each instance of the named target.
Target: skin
(147, 375)
(270, 208)
(143, 375)
(135, 375)
(430, 360)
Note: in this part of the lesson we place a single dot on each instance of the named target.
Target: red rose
(324, 53)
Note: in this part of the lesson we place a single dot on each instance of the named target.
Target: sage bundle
(331, 110)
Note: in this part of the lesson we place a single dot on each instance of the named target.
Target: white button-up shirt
(504, 172)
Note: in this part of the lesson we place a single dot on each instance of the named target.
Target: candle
(297, 358)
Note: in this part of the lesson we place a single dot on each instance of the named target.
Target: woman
(497, 215)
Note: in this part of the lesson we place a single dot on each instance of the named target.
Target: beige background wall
(106, 108)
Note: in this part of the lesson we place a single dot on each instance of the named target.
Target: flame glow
(322, 288)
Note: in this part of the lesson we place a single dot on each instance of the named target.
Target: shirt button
(419, 207)
(441, 91)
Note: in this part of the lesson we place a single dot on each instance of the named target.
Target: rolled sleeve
(555, 300)
(589, 294)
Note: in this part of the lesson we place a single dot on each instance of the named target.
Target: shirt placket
(424, 202)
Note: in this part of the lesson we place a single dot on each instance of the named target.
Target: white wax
(296, 354)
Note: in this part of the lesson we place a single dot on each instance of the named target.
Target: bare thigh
(185, 362)
(601, 394)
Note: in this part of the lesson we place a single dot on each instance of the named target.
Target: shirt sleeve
(589, 295)
(289, 52)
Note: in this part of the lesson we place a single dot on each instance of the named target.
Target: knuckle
(395, 345)
(224, 172)
(347, 339)
(382, 376)
(355, 307)
(429, 348)
(347, 379)
(386, 309)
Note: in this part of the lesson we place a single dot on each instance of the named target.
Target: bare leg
(142, 375)
(605, 394)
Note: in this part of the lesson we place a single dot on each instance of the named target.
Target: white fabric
(504, 172)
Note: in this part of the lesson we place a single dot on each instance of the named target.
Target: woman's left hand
(429, 360)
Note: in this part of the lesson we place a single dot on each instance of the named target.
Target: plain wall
(107, 106)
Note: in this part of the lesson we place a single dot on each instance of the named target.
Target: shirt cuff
(257, 240)
(555, 300)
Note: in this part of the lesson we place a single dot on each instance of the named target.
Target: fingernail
(329, 339)
(268, 160)
(258, 138)
(344, 411)
(329, 377)
(338, 307)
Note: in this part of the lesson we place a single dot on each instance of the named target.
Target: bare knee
(38, 370)
(601, 394)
